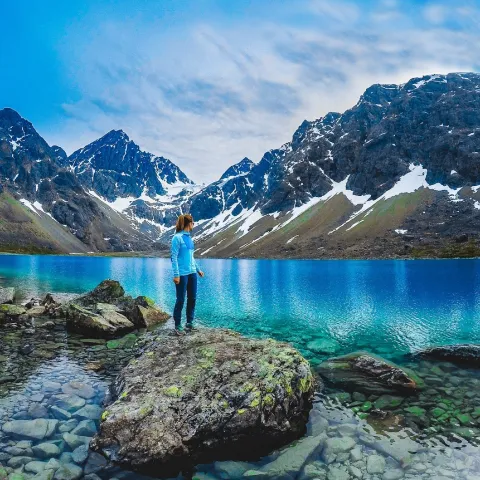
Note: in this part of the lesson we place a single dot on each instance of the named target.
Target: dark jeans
(188, 286)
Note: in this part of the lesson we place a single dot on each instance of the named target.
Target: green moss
(366, 406)
(123, 396)
(268, 400)
(241, 411)
(145, 410)
(224, 404)
(105, 415)
(417, 411)
(173, 391)
(150, 302)
(256, 400)
(305, 384)
(150, 354)
(113, 344)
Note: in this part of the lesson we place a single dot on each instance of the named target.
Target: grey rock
(108, 324)
(16, 462)
(70, 403)
(80, 454)
(7, 295)
(68, 471)
(338, 473)
(46, 450)
(35, 467)
(88, 412)
(33, 429)
(231, 470)
(244, 376)
(68, 426)
(60, 413)
(337, 445)
(292, 459)
(79, 389)
(95, 463)
(74, 441)
(375, 464)
(367, 373)
(393, 474)
(85, 428)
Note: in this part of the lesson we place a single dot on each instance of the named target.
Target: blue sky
(207, 82)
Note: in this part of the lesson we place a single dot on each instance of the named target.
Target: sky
(208, 82)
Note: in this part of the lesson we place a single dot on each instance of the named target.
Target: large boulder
(108, 291)
(7, 295)
(103, 322)
(10, 312)
(467, 354)
(108, 301)
(368, 373)
(210, 395)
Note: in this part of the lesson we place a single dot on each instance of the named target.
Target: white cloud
(208, 94)
(435, 13)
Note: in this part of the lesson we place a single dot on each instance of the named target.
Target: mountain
(241, 168)
(44, 207)
(145, 188)
(398, 174)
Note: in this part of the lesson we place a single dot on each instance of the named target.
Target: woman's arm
(174, 256)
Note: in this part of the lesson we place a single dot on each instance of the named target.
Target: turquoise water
(386, 307)
(391, 306)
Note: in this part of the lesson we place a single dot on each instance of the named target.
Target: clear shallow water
(386, 307)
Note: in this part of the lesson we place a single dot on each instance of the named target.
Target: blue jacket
(182, 250)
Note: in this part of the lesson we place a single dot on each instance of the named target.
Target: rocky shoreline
(217, 405)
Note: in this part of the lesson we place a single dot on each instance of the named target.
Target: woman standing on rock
(185, 271)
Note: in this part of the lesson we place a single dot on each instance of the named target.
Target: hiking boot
(190, 328)
(179, 331)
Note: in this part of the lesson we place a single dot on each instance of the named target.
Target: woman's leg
(191, 298)
(181, 289)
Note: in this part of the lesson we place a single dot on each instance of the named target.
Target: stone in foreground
(107, 312)
(210, 395)
(7, 295)
(367, 373)
(466, 354)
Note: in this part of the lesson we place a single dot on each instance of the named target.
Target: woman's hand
(176, 280)
(201, 273)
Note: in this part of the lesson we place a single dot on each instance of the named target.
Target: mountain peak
(114, 136)
(242, 167)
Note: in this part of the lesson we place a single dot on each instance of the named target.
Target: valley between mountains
(397, 175)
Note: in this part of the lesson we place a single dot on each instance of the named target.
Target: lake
(386, 307)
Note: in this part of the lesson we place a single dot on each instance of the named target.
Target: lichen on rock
(206, 396)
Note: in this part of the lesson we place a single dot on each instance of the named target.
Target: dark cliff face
(114, 166)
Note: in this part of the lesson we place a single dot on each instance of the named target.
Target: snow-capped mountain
(146, 188)
(43, 206)
(397, 173)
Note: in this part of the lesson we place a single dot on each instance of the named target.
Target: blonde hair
(183, 222)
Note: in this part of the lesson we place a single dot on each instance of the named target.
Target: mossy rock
(417, 411)
(209, 388)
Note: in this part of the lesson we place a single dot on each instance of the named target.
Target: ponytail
(183, 222)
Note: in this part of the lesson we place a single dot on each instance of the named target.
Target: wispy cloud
(210, 93)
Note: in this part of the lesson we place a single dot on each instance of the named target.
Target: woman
(185, 271)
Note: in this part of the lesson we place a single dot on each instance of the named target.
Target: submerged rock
(7, 295)
(465, 354)
(364, 372)
(31, 429)
(211, 395)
